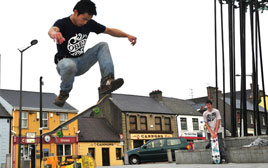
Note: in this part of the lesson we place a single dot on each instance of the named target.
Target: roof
(96, 130)
(250, 104)
(198, 102)
(4, 113)
(179, 106)
(31, 101)
(142, 104)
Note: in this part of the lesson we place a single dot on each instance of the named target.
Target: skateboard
(95, 108)
(215, 151)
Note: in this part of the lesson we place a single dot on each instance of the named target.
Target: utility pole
(41, 120)
(0, 71)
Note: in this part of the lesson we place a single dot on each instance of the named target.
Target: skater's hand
(214, 135)
(132, 39)
(57, 36)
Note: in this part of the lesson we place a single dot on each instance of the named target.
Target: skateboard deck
(86, 112)
(215, 151)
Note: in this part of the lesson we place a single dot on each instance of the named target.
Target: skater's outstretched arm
(55, 34)
(118, 33)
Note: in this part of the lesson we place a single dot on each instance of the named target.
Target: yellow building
(97, 137)
(138, 119)
(52, 116)
(262, 102)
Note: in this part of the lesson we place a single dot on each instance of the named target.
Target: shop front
(104, 153)
(52, 146)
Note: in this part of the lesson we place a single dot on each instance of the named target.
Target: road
(173, 165)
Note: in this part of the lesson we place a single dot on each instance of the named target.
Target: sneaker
(223, 161)
(208, 146)
(61, 99)
(111, 85)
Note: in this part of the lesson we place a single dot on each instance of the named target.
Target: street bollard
(169, 156)
(126, 159)
(75, 164)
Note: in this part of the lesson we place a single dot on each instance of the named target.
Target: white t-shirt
(211, 118)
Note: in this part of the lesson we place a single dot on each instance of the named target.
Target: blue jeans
(69, 68)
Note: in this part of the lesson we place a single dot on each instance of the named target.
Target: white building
(5, 120)
(189, 120)
(191, 127)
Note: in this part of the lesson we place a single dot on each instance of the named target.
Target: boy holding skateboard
(212, 119)
(71, 34)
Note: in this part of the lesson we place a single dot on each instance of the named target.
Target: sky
(174, 51)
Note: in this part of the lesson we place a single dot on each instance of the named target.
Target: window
(133, 122)
(195, 124)
(45, 119)
(238, 117)
(183, 124)
(63, 118)
(64, 149)
(167, 124)
(263, 121)
(155, 143)
(251, 119)
(171, 142)
(46, 152)
(91, 151)
(24, 119)
(118, 153)
(158, 123)
(143, 123)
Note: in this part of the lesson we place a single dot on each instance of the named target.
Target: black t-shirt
(75, 37)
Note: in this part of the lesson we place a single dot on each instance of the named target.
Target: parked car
(156, 150)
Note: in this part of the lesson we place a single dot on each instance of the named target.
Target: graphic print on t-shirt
(211, 117)
(76, 44)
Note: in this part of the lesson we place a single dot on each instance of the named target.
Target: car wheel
(134, 160)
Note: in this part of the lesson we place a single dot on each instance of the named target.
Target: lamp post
(33, 42)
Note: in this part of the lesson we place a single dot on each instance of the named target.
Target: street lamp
(33, 42)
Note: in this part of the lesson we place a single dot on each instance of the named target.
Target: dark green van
(156, 150)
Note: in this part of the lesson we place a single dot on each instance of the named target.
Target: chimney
(156, 94)
(212, 93)
(260, 93)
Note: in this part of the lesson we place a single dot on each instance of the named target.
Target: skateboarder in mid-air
(212, 119)
(70, 34)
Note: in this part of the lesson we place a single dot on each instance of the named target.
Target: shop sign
(189, 134)
(122, 143)
(149, 136)
(30, 137)
(104, 144)
(65, 140)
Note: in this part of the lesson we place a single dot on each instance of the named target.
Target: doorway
(105, 157)
(32, 156)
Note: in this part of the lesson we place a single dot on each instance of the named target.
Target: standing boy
(70, 34)
(212, 119)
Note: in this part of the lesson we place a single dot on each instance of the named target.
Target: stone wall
(235, 152)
